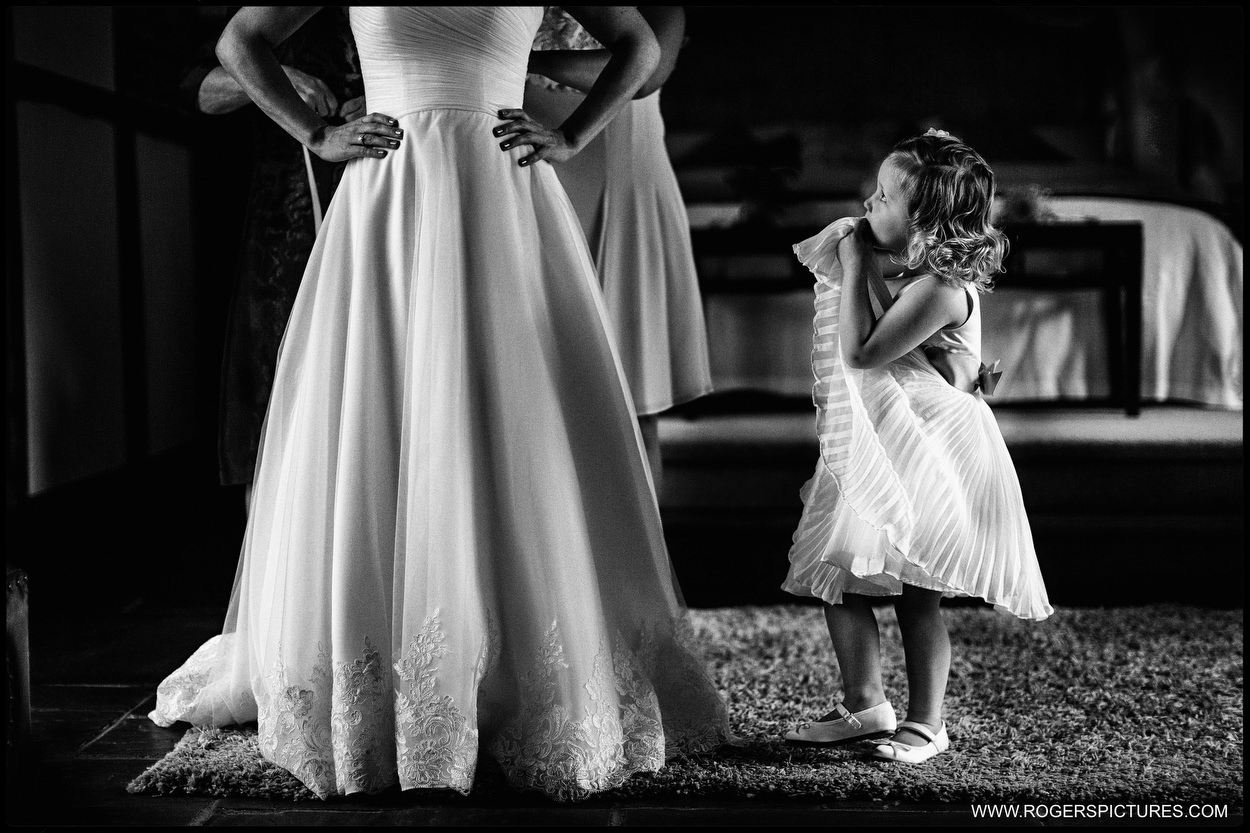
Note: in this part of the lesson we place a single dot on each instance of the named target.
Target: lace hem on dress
(361, 726)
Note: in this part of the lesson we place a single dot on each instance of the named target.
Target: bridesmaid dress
(630, 206)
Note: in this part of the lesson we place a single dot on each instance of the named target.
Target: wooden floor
(129, 574)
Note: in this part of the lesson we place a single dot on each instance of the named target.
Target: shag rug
(1093, 705)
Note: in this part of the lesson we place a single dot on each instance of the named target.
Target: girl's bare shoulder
(927, 289)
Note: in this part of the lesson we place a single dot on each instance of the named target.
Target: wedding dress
(454, 544)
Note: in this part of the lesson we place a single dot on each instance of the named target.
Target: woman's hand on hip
(372, 135)
(548, 143)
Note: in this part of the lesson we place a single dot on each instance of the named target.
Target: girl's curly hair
(950, 191)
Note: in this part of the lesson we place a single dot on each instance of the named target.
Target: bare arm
(635, 55)
(580, 68)
(246, 51)
(220, 93)
(871, 342)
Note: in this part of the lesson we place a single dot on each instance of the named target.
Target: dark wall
(1155, 90)
(122, 223)
(125, 223)
(855, 62)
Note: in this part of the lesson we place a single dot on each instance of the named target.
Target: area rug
(1138, 705)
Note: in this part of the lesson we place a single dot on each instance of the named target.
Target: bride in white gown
(454, 543)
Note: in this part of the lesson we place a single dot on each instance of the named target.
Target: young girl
(915, 495)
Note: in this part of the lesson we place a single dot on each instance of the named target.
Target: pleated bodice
(424, 57)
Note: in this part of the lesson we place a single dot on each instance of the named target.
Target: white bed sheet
(1192, 322)
(1052, 345)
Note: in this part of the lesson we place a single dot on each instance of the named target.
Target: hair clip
(941, 134)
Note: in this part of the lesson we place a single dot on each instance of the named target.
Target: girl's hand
(372, 135)
(856, 247)
(548, 143)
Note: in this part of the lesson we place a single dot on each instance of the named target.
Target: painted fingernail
(506, 145)
(524, 162)
(392, 121)
(399, 133)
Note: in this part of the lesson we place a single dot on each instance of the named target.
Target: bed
(1052, 345)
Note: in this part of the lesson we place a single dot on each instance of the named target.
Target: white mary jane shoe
(869, 724)
(906, 753)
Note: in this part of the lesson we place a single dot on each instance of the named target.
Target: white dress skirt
(453, 543)
(914, 485)
(626, 195)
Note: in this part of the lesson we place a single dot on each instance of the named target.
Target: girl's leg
(650, 427)
(857, 645)
(927, 651)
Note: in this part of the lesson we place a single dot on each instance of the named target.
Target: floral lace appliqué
(436, 742)
(360, 723)
(696, 720)
(294, 723)
(641, 724)
(559, 31)
(549, 747)
(334, 731)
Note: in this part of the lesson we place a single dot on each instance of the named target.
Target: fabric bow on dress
(987, 378)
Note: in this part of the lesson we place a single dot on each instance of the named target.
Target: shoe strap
(851, 720)
(919, 728)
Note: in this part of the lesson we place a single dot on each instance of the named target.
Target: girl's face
(886, 210)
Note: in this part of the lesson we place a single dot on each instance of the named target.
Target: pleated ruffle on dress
(914, 484)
